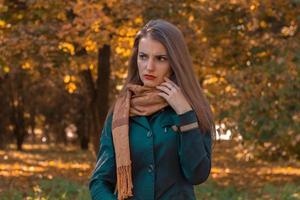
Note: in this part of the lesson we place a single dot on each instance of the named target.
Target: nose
(150, 64)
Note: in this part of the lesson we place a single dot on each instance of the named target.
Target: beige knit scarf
(138, 100)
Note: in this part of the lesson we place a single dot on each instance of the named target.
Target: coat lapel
(167, 117)
(142, 121)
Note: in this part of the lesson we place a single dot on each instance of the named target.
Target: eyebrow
(155, 55)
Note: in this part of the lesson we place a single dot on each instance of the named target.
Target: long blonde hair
(181, 64)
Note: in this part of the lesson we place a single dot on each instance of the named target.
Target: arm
(194, 149)
(103, 180)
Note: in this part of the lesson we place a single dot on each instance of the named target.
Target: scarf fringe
(124, 183)
(138, 100)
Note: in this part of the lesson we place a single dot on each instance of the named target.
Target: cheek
(141, 64)
(141, 69)
(165, 70)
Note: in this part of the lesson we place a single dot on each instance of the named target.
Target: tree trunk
(102, 90)
(17, 115)
(32, 125)
(2, 115)
(98, 94)
(60, 134)
(83, 129)
(19, 126)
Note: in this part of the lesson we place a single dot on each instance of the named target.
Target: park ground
(59, 172)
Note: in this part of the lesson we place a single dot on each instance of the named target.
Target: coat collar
(167, 117)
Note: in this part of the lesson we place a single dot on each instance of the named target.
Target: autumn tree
(245, 55)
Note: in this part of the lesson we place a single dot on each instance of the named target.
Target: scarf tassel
(124, 183)
(137, 101)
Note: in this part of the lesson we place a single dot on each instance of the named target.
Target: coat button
(149, 133)
(165, 130)
(150, 168)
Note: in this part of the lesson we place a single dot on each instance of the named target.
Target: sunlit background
(63, 62)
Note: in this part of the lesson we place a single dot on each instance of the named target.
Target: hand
(173, 95)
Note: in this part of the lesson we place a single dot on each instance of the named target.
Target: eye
(162, 58)
(142, 56)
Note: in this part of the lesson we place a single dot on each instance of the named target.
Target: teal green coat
(166, 162)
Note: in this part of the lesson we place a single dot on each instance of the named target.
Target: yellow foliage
(67, 47)
(2, 23)
(96, 26)
(263, 54)
(67, 79)
(71, 87)
(212, 80)
(263, 24)
(20, 16)
(90, 45)
(119, 50)
(124, 43)
(26, 65)
(70, 83)
(6, 69)
(138, 20)
(229, 88)
(125, 52)
(83, 66)
(119, 87)
(130, 32)
(191, 18)
(212, 108)
(51, 163)
(73, 78)
(289, 30)
(37, 189)
(252, 7)
(92, 66)
(61, 16)
(119, 74)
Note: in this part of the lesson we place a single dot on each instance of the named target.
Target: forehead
(150, 46)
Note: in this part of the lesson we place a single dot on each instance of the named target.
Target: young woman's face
(152, 62)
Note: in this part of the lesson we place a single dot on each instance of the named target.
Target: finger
(169, 85)
(164, 88)
(163, 95)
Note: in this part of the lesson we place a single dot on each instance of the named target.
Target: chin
(149, 83)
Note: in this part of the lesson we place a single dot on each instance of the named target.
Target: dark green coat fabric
(165, 163)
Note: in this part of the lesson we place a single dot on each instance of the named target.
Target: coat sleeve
(103, 179)
(194, 149)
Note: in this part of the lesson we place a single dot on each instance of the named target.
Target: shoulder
(107, 126)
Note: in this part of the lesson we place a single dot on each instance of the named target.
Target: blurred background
(63, 62)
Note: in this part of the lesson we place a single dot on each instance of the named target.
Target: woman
(156, 140)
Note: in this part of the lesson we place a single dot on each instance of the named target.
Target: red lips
(149, 77)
